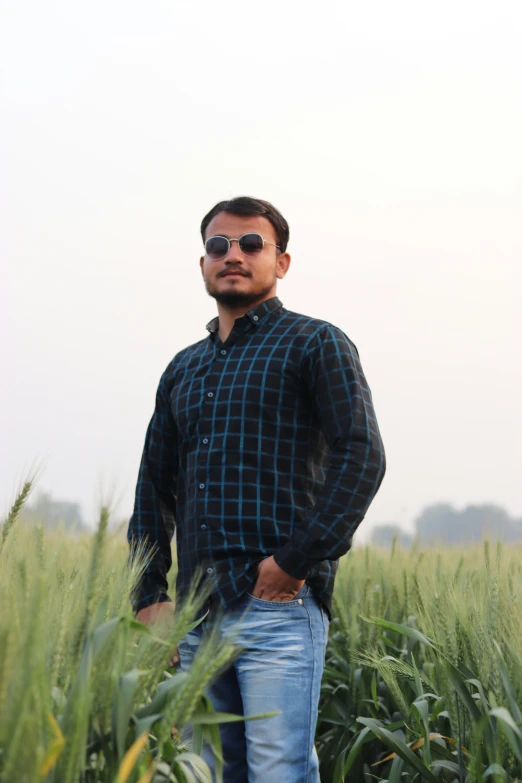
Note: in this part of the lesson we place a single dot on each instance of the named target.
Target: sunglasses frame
(238, 240)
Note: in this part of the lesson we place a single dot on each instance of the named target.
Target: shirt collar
(256, 315)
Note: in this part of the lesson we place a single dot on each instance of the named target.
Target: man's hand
(274, 584)
(160, 613)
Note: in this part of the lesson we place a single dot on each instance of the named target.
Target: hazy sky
(390, 136)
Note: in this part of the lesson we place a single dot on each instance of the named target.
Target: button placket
(212, 380)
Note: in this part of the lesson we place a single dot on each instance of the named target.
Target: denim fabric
(279, 668)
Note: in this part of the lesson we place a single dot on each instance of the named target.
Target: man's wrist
(150, 600)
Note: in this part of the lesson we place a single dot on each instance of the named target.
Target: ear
(201, 262)
(282, 264)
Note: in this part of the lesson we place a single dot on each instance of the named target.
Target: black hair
(248, 207)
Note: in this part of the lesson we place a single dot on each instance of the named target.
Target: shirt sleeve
(152, 524)
(335, 381)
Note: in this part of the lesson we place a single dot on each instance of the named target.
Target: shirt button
(203, 527)
(210, 570)
(299, 600)
(256, 318)
(223, 353)
(210, 394)
(202, 486)
(205, 440)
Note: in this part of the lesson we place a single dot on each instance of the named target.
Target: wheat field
(423, 677)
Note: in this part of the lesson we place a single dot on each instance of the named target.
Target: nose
(234, 254)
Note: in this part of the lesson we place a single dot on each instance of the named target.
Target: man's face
(238, 278)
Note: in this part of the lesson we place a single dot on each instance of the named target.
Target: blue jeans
(279, 668)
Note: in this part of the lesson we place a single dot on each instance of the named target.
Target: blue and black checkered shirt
(266, 444)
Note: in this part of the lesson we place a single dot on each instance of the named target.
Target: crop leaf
(404, 630)
(400, 748)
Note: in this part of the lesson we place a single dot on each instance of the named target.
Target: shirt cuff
(293, 562)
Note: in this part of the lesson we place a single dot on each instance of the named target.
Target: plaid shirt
(266, 444)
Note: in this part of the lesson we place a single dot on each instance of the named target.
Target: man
(265, 449)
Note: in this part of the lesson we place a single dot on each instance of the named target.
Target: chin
(234, 295)
(233, 298)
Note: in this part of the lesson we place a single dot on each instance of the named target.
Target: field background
(423, 677)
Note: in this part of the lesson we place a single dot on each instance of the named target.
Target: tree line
(442, 523)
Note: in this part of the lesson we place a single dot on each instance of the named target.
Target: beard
(234, 299)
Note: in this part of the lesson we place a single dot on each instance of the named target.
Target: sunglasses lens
(251, 243)
(216, 247)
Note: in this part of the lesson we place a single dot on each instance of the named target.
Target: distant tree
(383, 535)
(51, 513)
(437, 523)
(442, 522)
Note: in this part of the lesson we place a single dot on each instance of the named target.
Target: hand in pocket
(274, 584)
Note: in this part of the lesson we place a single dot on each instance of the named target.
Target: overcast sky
(389, 135)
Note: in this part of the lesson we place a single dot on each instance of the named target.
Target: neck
(227, 315)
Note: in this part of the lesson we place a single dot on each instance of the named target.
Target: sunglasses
(250, 244)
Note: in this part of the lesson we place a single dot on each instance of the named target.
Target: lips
(233, 274)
